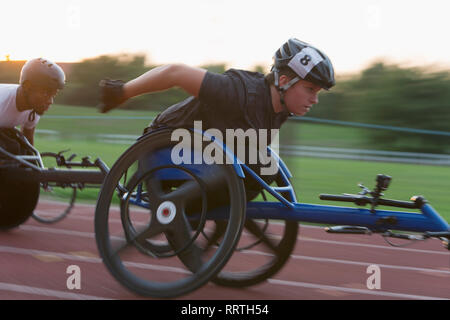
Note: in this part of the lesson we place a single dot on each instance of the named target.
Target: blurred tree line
(382, 94)
(389, 95)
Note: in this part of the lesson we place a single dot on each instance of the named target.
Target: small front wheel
(64, 196)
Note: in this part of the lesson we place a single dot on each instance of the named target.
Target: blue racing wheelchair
(164, 229)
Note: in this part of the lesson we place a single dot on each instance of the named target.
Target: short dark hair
(270, 77)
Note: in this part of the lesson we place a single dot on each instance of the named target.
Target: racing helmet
(306, 61)
(43, 73)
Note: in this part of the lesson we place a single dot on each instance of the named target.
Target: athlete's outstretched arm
(116, 92)
(165, 77)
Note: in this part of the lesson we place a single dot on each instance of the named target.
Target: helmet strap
(283, 89)
(32, 115)
(290, 83)
(26, 96)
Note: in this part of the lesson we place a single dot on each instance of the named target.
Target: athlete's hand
(111, 94)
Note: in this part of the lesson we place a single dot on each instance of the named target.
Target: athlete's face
(301, 97)
(41, 98)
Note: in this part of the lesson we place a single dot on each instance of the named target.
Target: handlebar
(363, 200)
(61, 161)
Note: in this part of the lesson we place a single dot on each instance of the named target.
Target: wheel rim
(187, 278)
(265, 246)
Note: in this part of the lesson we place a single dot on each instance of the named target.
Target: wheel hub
(166, 212)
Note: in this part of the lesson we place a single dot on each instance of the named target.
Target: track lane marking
(47, 292)
(300, 238)
(351, 262)
(443, 271)
(352, 290)
(179, 270)
(94, 258)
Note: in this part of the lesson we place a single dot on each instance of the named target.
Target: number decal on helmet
(305, 61)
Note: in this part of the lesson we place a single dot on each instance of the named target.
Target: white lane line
(33, 252)
(346, 243)
(47, 292)
(359, 263)
(78, 217)
(58, 231)
(83, 258)
(92, 236)
(374, 246)
(351, 290)
(86, 205)
(255, 252)
(179, 270)
(351, 262)
(307, 239)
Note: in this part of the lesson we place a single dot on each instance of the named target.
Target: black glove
(111, 92)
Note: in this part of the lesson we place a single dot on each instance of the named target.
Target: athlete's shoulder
(7, 93)
(245, 73)
(251, 80)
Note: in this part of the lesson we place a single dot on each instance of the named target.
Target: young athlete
(237, 98)
(22, 104)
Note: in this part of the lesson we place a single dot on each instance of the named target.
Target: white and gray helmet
(306, 61)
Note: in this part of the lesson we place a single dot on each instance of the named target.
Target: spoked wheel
(146, 240)
(265, 246)
(64, 195)
(18, 198)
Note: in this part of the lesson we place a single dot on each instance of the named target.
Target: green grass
(102, 124)
(312, 176)
(322, 135)
(292, 133)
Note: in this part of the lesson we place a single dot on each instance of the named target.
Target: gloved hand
(111, 94)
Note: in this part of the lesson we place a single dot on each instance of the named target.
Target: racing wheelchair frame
(150, 209)
(23, 175)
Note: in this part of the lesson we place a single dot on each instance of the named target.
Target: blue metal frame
(428, 219)
(378, 221)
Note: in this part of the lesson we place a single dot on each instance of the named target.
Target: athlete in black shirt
(236, 99)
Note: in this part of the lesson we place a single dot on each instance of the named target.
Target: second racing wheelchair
(23, 177)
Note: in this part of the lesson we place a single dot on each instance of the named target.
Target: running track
(34, 259)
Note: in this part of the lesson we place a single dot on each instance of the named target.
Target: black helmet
(43, 73)
(306, 61)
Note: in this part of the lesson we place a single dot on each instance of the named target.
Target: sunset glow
(238, 33)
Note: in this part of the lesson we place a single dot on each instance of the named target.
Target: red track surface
(34, 259)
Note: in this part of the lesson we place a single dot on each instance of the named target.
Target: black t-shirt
(236, 99)
(232, 100)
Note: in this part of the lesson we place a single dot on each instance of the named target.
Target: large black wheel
(18, 198)
(143, 213)
(19, 191)
(264, 248)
